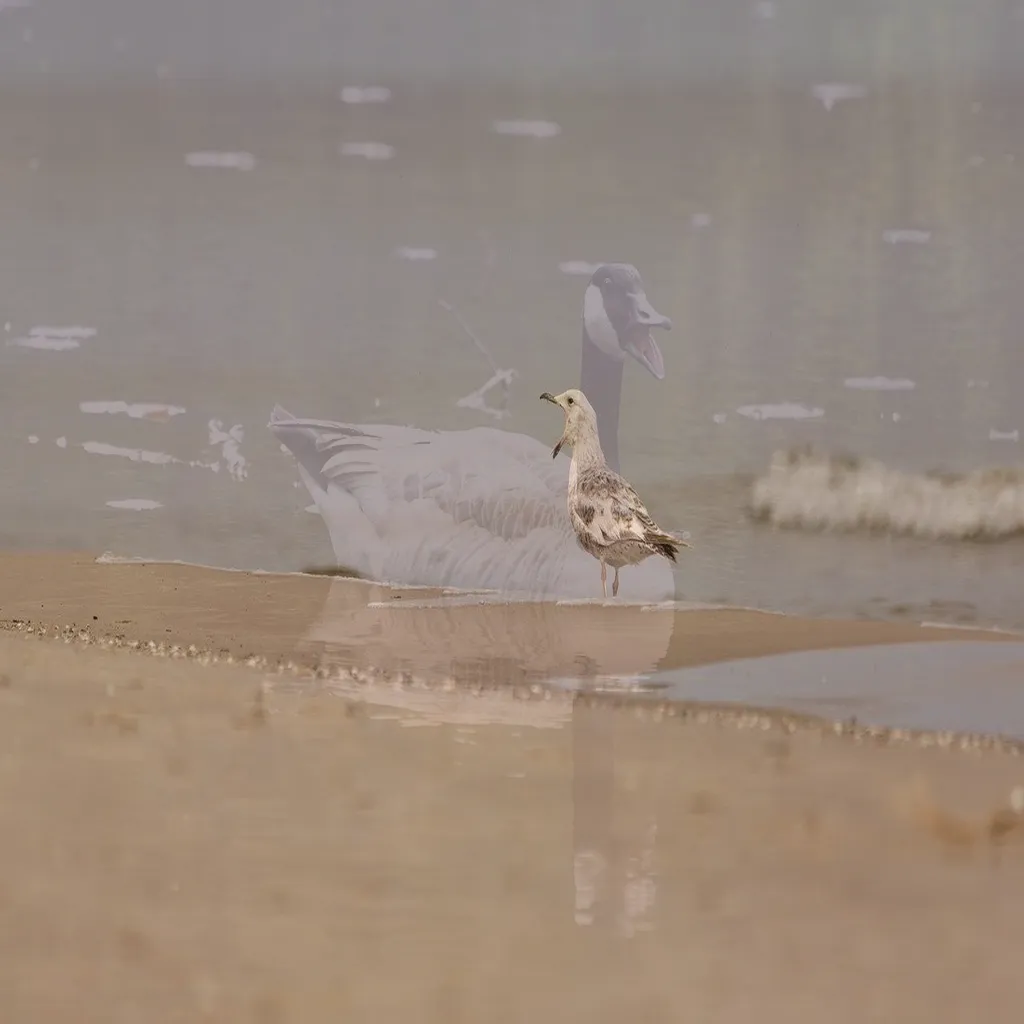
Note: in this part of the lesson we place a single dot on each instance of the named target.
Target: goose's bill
(640, 344)
(639, 341)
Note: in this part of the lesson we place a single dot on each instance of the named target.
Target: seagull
(609, 519)
(484, 508)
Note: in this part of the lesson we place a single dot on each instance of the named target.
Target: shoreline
(363, 638)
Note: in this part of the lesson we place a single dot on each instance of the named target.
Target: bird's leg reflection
(600, 860)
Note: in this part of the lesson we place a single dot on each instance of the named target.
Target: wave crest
(812, 490)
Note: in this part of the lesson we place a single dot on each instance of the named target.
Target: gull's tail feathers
(666, 543)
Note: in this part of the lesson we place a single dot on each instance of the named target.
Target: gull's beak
(548, 397)
(639, 342)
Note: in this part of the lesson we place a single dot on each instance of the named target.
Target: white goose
(480, 509)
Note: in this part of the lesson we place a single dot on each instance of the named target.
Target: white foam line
(134, 410)
(45, 344)
(74, 331)
(134, 454)
(1001, 630)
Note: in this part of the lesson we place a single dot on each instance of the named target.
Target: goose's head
(618, 318)
(580, 418)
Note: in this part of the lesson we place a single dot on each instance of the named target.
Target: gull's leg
(604, 580)
(615, 584)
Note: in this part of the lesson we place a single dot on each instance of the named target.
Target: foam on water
(415, 253)
(133, 454)
(367, 150)
(780, 411)
(134, 410)
(223, 161)
(229, 441)
(53, 339)
(578, 268)
(879, 384)
(831, 93)
(912, 236)
(810, 490)
(134, 504)
(358, 94)
(528, 129)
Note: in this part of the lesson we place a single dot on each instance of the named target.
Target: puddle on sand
(961, 685)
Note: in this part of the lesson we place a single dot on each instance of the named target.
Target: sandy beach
(309, 838)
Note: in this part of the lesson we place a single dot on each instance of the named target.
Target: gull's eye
(570, 401)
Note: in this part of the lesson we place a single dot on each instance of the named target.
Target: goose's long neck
(601, 382)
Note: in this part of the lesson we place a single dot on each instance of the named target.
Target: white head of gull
(609, 520)
(480, 509)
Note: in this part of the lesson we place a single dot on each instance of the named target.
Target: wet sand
(322, 621)
(189, 839)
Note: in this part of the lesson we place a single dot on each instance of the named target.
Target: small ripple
(879, 384)
(781, 411)
(224, 161)
(409, 252)
(906, 236)
(134, 504)
(527, 129)
(356, 94)
(367, 150)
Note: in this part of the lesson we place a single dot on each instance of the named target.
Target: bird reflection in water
(473, 656)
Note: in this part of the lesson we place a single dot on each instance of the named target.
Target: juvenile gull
(607, 515)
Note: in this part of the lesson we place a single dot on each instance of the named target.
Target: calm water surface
(840, 272)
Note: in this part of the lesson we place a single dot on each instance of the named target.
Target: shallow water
(831, 237)
(909, 686)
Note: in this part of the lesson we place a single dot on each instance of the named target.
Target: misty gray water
(210, 208)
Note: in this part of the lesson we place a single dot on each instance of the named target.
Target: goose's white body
(480, 509)
(474, 509)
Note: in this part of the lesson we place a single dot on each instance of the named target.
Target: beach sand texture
(188, 841)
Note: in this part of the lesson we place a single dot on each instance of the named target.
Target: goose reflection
(485, 649)
(480, 508)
